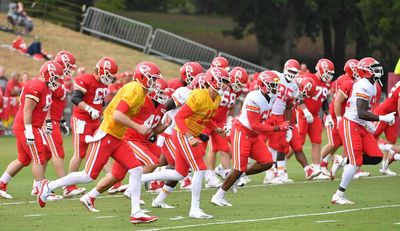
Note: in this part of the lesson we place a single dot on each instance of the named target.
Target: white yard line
(33, 215)
(104, 217)
(326, 221)
(204, 189)
(273, 218)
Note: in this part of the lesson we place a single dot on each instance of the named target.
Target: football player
(188, 71)
(220, 62)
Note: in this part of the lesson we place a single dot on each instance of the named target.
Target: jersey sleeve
(80, 85)
(362, 92)
(195, 100)
(251, 105)
(33, 91)
(345, 88)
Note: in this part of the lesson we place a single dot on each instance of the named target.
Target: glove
(152, 138)
(48, 127)
(388, 118)
(30, 139)
(329, 121)
(92, 112)
(204, 137)
(289, 135)
(64, 127)
(370, 127)
(284, 126)
(309, 117)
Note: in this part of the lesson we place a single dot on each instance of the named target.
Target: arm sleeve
(80, 85)
(255, 123)
(184, 112)
(362, 93)
(77, 96)
(33, 92)
(325, 106)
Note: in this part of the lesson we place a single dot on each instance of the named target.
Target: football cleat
(387, 172)
(242, 181)
(284, 178)
(220, 201)
(325, 171)
(153, 186)
(311, 173)
(117, 187)
(35, 191)
(54, 197)
(186, 183)
(161, 205)
(322, 177)
(3, 191)
(71, 191)
(199, 214)
(340, 200)
(88, 202)
(44, 192)
(360, 173)
(213, 182)
(338, 162)
(142, 218)
(219, 170)
(269, 176)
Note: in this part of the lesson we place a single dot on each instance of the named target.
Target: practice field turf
(303, 205)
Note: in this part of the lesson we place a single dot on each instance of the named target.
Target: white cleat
(322, 177)
(338, 162)
(117, 188)
(340, 200)
(242, 181)
(361, 174)
(88, 202)
(5, 195)
(275, 181)
(213, 182)
(311, 173)
(284, 178)
(269, 176)
(220, 201)
(325, 171)
(199, 214)
(220, 171)
(387, 172)
(161, 205)
(54, 197)
(74, 192)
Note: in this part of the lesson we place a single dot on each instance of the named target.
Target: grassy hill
(87, 50)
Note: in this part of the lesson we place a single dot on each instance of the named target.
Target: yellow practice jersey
(134, 95)
(203, 108)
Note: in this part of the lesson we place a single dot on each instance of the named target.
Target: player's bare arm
(363, 113)
(30, 105)
(123, 119)
(337, 105)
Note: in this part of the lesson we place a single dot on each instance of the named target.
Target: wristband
(229, 119)
(306, 111)
(190, 138)
(87, 108)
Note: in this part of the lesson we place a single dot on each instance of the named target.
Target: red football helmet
(190, 70)
(67, 61)
(325, 70)
(146, 73)
(51, 72)
(220, 62)
(198, 82)
(268, 82)
(350, 68)
(159, 93)
(218, 79)
(369, 68)
(307, 87)
(239, 78)
(106, 69)
(291, 69)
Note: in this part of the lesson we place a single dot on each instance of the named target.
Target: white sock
(93, 193)
(396, 156)
(327, 158)
(348, 175)
(197, 182)
(220, 193)
(5, 178)
(274, 153)
(281, 166)
(316, 166)
(37, 183)
(165, 191)
(165, 175)
(134, 188)
(340, 193)
(70, 179)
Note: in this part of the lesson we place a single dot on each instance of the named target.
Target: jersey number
(321, 91)
(228, 99)
(284, 92)
(100, 95)
(152, 121)
(394, 89)
(48, 103)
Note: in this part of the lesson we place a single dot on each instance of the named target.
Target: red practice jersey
(39, 92)
(150, 115)
(227, 102)
(314, 103)
(13, 88)
(175, 83)
(391, 102)
(58, 105)
(95, 93)
(343, 84)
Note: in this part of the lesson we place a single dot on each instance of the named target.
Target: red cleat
(44, 192)
(142, 218)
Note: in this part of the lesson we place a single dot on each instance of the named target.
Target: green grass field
(303, 205)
